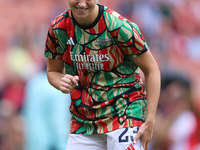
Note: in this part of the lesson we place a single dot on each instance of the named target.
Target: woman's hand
(68, 83)
(145, 134)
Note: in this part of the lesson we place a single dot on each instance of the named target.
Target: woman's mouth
(81, 9)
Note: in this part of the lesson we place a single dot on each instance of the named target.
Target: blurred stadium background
(172, 30)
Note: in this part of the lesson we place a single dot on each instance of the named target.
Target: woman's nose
(82, 3)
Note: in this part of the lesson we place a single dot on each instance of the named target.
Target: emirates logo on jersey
(89, 61)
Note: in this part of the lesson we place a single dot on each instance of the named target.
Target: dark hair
(170, 77)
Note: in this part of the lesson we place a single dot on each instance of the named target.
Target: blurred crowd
(172, 31)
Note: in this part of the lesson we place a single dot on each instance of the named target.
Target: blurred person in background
(46, 115)
(12, 98)
(177, 124)
(20, 45)
(102, 52)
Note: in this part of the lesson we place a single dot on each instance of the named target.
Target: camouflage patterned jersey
(110, 94)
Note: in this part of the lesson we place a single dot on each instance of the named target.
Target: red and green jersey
(110, 94)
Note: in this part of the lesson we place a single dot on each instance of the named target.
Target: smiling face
(84, 11)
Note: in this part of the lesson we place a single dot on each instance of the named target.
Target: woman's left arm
(149, 67)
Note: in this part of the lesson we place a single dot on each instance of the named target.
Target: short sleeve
(131, 40)
(52, 46)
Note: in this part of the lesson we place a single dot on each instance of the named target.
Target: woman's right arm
(56, 77)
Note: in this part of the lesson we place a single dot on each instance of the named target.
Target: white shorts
(120, 139)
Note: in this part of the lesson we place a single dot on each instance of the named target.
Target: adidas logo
(130, 147)
(70, 41)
